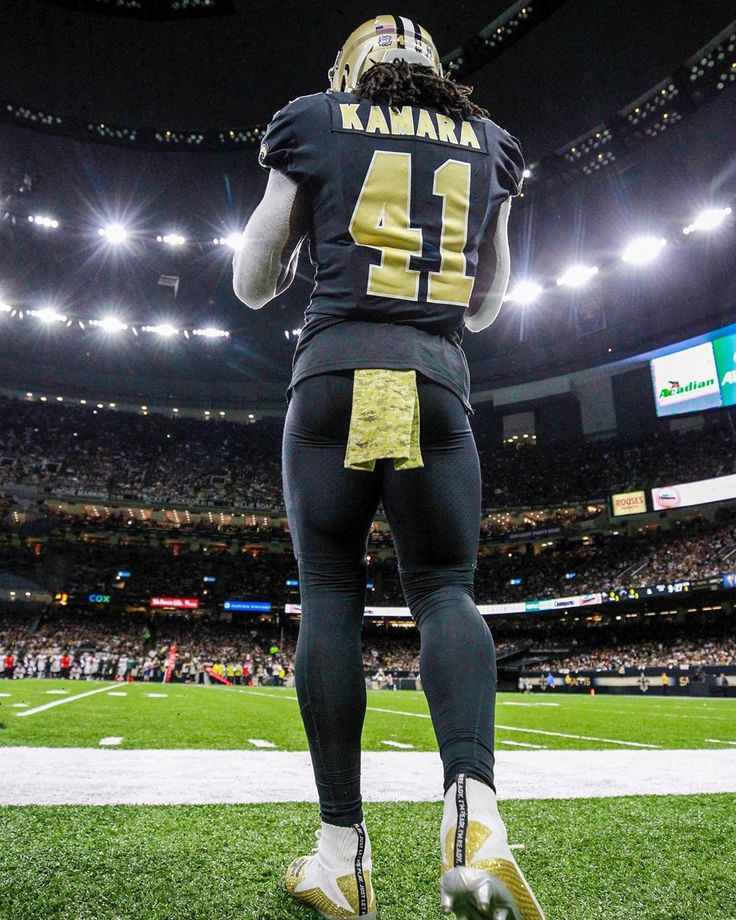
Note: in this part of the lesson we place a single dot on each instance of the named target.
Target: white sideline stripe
(719, 741)
(260, 743)
(524, 744)
(67, 699)
(110, 776)
(400, 745)
(507, 728)
(109, 742)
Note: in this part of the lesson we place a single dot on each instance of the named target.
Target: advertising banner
(725, 354)
(182, 603)
(247, 606)
(623, 503)
(686, 494)
(686, 381)
(551, 603)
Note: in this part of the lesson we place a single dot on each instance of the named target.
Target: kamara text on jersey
(407, 121)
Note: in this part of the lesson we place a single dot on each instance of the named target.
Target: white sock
(339, 847)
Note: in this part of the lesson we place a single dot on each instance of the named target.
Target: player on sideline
(402, 186)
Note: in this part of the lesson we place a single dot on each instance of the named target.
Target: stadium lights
(577, 275)
(233, 240)
(524, 292)
(5, 307)
(643, 249)
(527, 173)
(113, 233)
(48, 315)
(211, 333)
(163, 329)
(707, 220)
(172, 239)
(41, 220)
(109, 324)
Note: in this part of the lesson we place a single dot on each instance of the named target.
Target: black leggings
(434, 515)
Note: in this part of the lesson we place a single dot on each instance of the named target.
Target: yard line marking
(524, 744)
(21, 706)
(5, 694)
(67, 699)
(400, 712)
(718, 741)
(157, 695)
(512, 703)
(56, 692)
(539, 731)
(399, 744)
(260, 743)
(109, 742)
(117, 693)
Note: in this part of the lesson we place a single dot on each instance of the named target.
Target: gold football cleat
(336, 896)
(480, 879)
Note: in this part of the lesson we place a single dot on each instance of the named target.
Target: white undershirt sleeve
(265, 263)
(491, 305)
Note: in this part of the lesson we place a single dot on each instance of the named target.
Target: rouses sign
(623, 503)
(686, 494)
(183, 603)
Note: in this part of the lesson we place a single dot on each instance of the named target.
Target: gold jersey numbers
(382, 220)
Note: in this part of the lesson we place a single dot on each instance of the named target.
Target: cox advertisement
(685, 494)
(701, 377)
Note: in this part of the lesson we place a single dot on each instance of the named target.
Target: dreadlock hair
(400, 83)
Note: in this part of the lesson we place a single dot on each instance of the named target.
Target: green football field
(185, 716)
(644, 857)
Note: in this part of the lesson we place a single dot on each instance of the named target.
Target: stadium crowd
(104, 453)
(92, 645)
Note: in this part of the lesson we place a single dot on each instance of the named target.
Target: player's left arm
(265, 263)
(489, 308)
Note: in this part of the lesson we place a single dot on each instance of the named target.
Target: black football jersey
(404, 205)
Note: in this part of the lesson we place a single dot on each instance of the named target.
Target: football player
(402, 186)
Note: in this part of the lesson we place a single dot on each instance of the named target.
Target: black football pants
(434, 515)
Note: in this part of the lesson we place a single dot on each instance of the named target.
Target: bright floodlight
(49, 315)
(643, 249)
(708, 220)
(524, 292)
(210, 332)
(164, 329)
(527, 173)
(577, 275)
(111, 324)
(172, 239)
(42, 220)
(113, 233)
(234, 240)
(5, 307)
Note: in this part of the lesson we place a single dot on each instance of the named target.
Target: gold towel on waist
(384, 421)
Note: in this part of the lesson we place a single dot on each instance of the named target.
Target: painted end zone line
(67, 699)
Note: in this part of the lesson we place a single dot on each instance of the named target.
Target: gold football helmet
(384, 38)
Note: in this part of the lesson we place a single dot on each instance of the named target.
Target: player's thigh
(434, 512)
(330, 508)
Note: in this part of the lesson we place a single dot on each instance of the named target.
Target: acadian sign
(686, 381)
(725, 352)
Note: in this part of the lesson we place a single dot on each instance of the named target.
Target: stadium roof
(578, 68)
